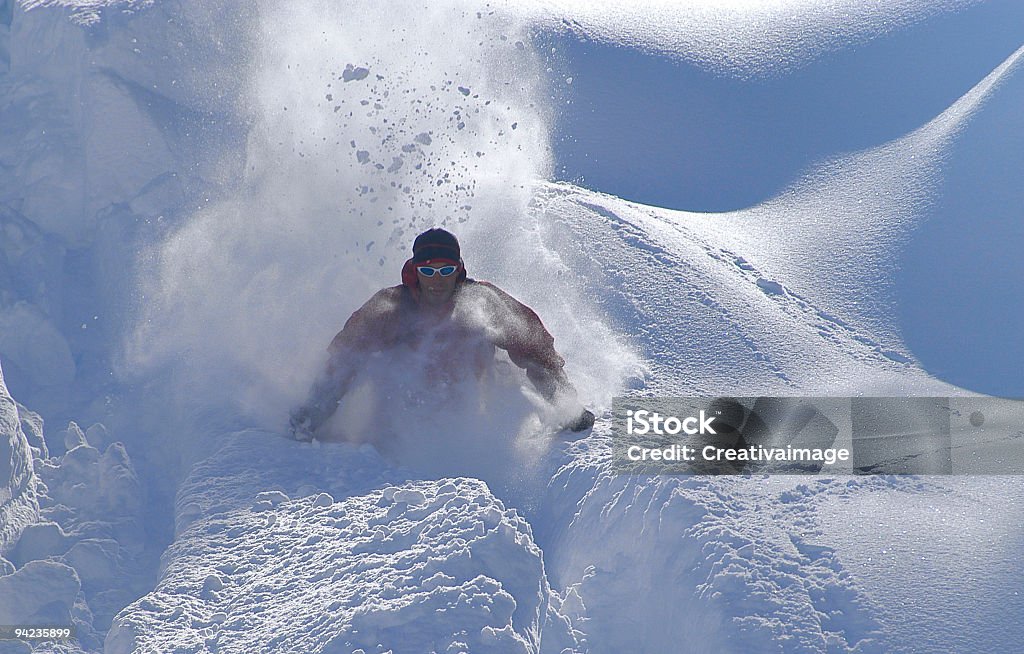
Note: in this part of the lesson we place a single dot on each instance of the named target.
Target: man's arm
(531, 347)
(366, 331)
(325, 394)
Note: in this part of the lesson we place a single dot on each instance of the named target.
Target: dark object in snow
(582, 422)
(353, 74)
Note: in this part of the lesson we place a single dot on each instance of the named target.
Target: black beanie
(436, 243)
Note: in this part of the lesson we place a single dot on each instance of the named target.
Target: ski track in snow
(676, 270)
(727, 564)
(690, 295)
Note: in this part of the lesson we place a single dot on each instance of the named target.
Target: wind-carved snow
(676, 276)
(71, 539)
(341, 554)
(18, 503)
(696, 284)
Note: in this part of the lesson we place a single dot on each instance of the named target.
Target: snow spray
(366, 129)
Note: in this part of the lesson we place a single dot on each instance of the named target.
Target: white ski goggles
(430, 271)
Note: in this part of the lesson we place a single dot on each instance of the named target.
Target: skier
(457, 320)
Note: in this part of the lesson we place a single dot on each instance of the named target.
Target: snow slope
(798, 292)
(787, 564)
(196, 195)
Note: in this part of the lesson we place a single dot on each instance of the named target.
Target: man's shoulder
(489, 290)
(496, 300)
(387, 299)
(476, 286)
(373, 324)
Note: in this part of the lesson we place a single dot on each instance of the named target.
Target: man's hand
(299, 422)
(582, 422)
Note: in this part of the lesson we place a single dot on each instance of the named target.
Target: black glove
(582, 422)
(299, 421)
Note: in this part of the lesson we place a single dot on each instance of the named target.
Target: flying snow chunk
(423, 138)
(354, 74)
(463, 90)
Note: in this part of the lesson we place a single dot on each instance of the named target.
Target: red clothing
(461, 336)
(455, 339)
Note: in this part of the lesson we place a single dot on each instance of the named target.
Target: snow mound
(41, 592)
(330, 550)
(731, 301)
(716, 318)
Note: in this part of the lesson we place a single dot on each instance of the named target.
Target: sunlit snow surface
(271, 164)
(737, 37)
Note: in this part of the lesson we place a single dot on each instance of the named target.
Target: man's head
(437, 257)
(436, 244)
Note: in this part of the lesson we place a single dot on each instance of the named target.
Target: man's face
(436, 290)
